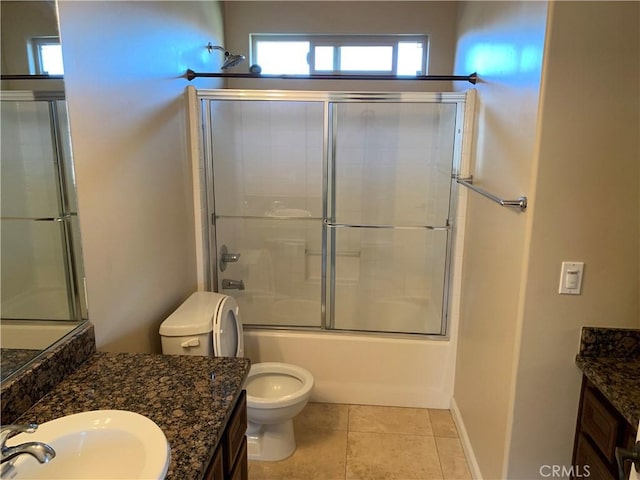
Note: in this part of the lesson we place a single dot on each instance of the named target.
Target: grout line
(439, 460)
(346, 446)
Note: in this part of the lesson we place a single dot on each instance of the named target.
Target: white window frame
(337, 41)
(36, 52)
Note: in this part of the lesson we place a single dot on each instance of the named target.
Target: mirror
(42, 281)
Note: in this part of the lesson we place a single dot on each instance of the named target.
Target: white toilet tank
(207, 324)
(187, 331)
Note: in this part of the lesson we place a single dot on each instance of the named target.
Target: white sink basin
(101, 444)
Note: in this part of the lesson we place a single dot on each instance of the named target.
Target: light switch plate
(571, 278)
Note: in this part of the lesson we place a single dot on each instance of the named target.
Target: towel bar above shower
(520, 203)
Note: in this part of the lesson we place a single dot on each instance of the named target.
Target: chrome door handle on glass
(228, 284)
(226, 257)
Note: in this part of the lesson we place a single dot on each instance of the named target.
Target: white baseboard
(466, 443)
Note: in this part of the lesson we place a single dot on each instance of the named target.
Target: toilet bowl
(209, 324)
(276, 392)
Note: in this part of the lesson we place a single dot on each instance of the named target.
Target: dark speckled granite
(610, 342)
(27, 386)
(610, 359)
(189, 397)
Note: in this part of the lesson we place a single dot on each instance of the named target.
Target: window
(340, 54)
(47, 56)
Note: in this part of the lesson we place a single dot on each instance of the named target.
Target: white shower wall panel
(268, 152)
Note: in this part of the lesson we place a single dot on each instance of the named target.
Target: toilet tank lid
(194, 317)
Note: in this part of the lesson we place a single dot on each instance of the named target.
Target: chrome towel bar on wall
(520, 203)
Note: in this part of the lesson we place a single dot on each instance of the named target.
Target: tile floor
(351, 442)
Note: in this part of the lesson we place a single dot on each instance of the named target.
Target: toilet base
(270, 443)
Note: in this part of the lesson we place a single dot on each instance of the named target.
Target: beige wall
(516, 384)
(437, 19)
(504, 42)
(586, 209)
(124, 62)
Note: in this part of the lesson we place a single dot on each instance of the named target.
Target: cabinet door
(215, 470)
(589, 463)
(234, 437)
(241, 469)
(599, 423)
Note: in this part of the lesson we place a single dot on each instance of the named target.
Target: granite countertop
(610, 359)
(189, 397)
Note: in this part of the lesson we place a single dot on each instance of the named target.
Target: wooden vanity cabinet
(229, 461)
(600, 429)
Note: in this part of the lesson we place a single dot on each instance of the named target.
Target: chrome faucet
(228, 284)
(41, 451)
(226, 257)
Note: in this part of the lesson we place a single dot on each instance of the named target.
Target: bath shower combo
(341, 210)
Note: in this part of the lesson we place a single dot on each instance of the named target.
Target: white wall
(123, 67)
(586, 209)
(503, 41)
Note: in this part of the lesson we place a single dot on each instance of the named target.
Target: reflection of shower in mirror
(42, 281)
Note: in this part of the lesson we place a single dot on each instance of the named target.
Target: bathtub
(363, 369)
(44, 302)
(33, 335)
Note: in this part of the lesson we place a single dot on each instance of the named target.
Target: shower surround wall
(277, 212)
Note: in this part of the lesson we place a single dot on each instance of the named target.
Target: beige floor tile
(387, 456)
(320, 455)
(452, 459)
(442, 423)
(373, 419)
(322, 416)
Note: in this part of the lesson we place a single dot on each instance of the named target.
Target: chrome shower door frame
(329, 225)
(66, 214)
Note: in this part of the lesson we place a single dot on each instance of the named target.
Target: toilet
(209, 324)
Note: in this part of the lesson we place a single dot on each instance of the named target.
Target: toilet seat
(228, 338)
(299, 384)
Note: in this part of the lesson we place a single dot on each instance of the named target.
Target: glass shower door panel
(393, 163)
(28, 173)
(280, 266)
(267, 158)
(34, 284)
(388, 280)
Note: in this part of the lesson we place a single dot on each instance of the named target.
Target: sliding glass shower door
(266, 190)
(389, 215)
(41, 257)
(332, 210)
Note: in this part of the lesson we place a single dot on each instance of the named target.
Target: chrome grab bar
(520, 203)
(62, 218)
(394, 227)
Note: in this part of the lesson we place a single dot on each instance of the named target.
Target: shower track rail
(520, 203)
